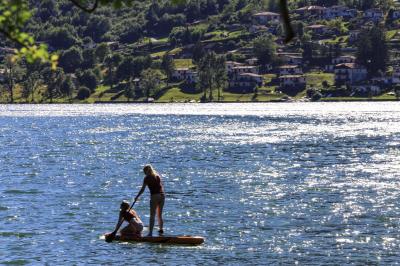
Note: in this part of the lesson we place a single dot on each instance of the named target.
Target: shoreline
(188, 102)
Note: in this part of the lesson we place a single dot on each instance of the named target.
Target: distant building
(185, 74)
(267, 17)
(374, 14)
(339, 11)
(290, 70)
(310, 11)
(318, 29)
(293, 81)
(237, 70)
(340, 60)
(246, 82)
(349, 73)
(229, 65)
(257, 28)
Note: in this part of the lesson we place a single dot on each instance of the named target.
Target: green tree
(102, 51)
(31, 84)
(67, 87)
(168, 65)
(53, 79)
(71, 59)
(83, 93)
(372, 49)
(264, 49)
(221, 76)
(212, 75)
(150, 80)
(13, 73)
(89, 79)
(111, 63)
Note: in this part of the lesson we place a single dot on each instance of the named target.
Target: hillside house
(294, 60)
(349, 73)
(340, 60)
(257, 29)
(252, 61)
(267, 18)
(373, 14)
(237, 70)
(290, 70)
(310, 11)
(318, 29)
(290, 58)
(246, 82)
(186, 74)
(339, 11)
(229, 65)
(293, 81)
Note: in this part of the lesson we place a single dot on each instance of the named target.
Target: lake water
(283, 183)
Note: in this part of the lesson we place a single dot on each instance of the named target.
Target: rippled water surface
(307, 183)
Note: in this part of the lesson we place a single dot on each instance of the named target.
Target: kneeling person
(135, 226)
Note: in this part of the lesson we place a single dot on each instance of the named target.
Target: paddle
(110, 237)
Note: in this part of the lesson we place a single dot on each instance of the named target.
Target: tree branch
(89, 10)
(12, 38)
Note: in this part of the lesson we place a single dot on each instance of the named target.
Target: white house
(310, 10)
(246, 81)
(186, 74)
(349, 73)
(267, 18)
(257, 28)
(237, 70)
(339, 11)
(229, 65)
(297, 81)
(318, 29)
(290, 70)
(373, 14)
(340, 60)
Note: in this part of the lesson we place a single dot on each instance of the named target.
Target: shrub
(316, 97)
(83, 93)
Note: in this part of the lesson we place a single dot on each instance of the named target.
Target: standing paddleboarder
(157, 197)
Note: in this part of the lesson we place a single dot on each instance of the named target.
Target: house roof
(349, 66)
(291, 76)
(347, 56)
(251, 75)
(310, 8)
(266, 14)
(317, 26)
(289, 66)
(244, 67)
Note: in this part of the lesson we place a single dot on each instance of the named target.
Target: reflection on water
(264, 183)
